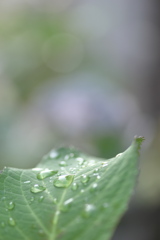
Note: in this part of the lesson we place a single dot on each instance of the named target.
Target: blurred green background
(84, 73)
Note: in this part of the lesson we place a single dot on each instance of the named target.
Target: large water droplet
(88, 210)
(10, 205)
(63, 181)
(84, 178)
(37, 188)
(11, 222)
(46, 173)
(53, 154)
(74, 186)
(66, 205)
(62, 163)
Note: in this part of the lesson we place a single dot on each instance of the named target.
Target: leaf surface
(68, 196)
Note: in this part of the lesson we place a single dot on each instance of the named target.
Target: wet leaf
(83, 198)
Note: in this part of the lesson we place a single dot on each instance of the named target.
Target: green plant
(68, 196)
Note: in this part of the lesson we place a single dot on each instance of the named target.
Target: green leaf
(68, 196)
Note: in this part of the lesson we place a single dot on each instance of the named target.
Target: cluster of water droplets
(60, 179)
(9, 206)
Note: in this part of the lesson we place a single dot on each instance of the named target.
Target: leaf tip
(139, 141)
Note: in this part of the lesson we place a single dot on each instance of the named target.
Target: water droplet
(69, 201)
(27, 182)
(53, 154)
(36, 169)
(37, 188)
(94, 187)
(82, 190)
(55, 201)
(66, 205)
(71, 169)
(95, 174)
(41, 198)
(80, 161)
(66, 157)
(11, 222)
(62, 163)
(3, 224)
(88, 210)
(31, 200)
(71, 155)
(63, 181)
(91, 163)
(118, 155)
(10, 205)
(96, 170)
(98, 177)
(84, 178)
(46, 173)
(63, 169)
(104, 164)
(74, 186)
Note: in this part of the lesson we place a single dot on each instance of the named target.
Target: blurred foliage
(75, 75)
(22, 39)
